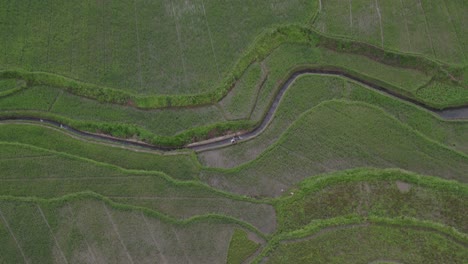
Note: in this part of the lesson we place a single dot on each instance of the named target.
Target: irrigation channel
(449, 113)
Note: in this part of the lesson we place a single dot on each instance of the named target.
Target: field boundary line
(403, 12)
(211, 39)
(380, 22)
(72, 44)
(27, 157)
(221, 110)
(294, 153)
(117, 96)
(84, 236)
(48, 34)
(13, 236)
(320, 227)
(97, 141)
(351, 13)
(179, 40)
(114, 227)
(7, 11)
(50, 230)
(167, 198)
(155, 214)
(287, 130)
(156, 244)
(111, 31)
(138, 173)
(427, 28)
(454, 29)
(140, 76)
(104, 41)
(55, 100)
(28, 21)
(367, 81)
(259, 85)
(71, 178)
(180, 245)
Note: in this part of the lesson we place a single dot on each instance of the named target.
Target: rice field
(371, 244)
(164, 47)
(91, 231)
(431, 28)
(338, 135)
(343, 172)
(311, 90)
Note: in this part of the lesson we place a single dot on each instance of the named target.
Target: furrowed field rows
(207, 131)
(101, 235)
(56, 140)
(163, 41)
(388, 199)
(265, 44)
(63, 174)
(209, 121)
(432, 28)
(371, 243)
(333, 136)
(372, 192)
(308, 91)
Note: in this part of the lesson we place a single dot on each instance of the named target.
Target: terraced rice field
(432, 28)
(209, 131)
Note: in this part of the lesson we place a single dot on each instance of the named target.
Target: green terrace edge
(319, 225)
(88, 195)
(264, 44)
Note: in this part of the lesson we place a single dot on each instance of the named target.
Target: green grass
(160, 122)
(49, 174)
(240, 247)
(308, 91)
(431, 28)
(87, 230)
(406, 81)
(7, 84)
(239, 102)
(265, 44)
(365, 244)
(439, 94)
(180, 166)
(174, 72)
(242, 96)
(382, 193)
(209, 121)
(339, 135)
(143, 47)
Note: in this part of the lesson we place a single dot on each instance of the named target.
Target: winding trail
(448, 113)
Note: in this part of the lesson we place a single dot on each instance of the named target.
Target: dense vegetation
(240, 247)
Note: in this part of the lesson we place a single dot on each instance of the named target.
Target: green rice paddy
(343, 173)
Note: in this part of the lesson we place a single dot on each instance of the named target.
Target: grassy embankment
(373, 240)
(368, 215)
(263, 45)
(208, 121)
(159, 236)
(260, 49)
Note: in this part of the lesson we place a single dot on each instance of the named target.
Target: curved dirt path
(449, 113)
